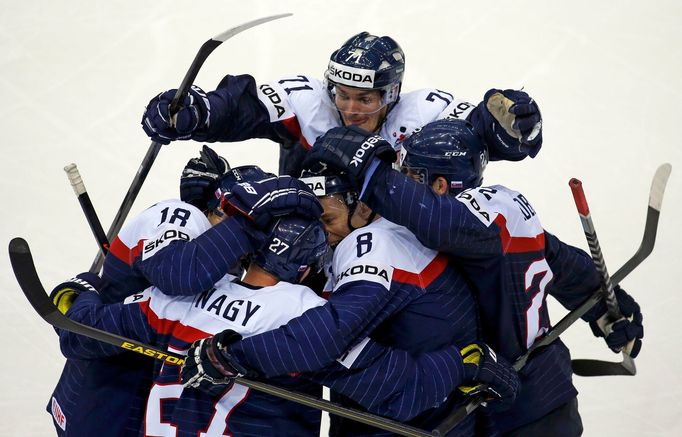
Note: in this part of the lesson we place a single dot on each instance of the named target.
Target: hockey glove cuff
(210, 367)
(492, 375)
(64, 294)
(625, 333)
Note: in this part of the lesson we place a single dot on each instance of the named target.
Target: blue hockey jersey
(382, 379)
(495, 237)
(298, 109)
(170, 244)
(389, 287)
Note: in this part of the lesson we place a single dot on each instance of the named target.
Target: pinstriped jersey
(172, 245)
(389, 287)
(89, 390)
(176, 322)
(494, 235)
(144, 236)
(299, 109)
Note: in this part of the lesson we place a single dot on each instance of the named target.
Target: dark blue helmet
(325, 183)
(293, 245)
(368, 61)
(236, 175)
(448, 148)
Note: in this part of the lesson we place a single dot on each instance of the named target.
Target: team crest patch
(58, 414)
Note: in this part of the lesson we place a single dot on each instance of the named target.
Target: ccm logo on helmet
(368, 144)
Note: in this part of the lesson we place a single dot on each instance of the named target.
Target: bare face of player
(360, 107)
(335, 218)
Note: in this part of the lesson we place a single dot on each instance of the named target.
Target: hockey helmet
(448, 148)
(370, 62)
(293, 245)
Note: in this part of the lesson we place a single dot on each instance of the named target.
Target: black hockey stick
(86, 205)
(25, 272)
(142, 172)
(646, 247)
(627, 366)
(590, 367)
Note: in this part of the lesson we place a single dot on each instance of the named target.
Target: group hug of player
(433, 282)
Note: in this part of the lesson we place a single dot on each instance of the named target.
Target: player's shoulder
(295, 295)
(168, 208)
(382, 243)
(168, 216)
(413, 110)
(504, 206)
(296, 90)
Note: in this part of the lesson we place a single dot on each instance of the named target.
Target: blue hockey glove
(209, 367)
(492, 375)
(64, 294)
(512, 124)
(626, 333)
(194, 114)
(199, 177)
(263, 201)
(350, 150)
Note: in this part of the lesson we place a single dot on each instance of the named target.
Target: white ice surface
(76, 75)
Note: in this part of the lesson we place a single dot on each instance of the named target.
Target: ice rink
(75, 77)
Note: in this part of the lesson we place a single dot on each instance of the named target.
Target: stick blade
(658, 186)
(587, 367)
(229, 33)
(27, 277)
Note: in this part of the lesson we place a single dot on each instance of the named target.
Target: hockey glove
(64, 294)
(626, 333)
(194, 114)
(263, 201)
(199, 177)
(512, 124)
(493, 375)
(350, 150)
(209, 366)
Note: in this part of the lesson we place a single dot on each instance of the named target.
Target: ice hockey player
(387, 286)
(174, 246)
(265, 298)
(494, 234)
(362, 87)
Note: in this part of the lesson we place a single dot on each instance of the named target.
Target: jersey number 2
(536, 291)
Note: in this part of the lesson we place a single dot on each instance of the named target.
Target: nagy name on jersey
(228, 310)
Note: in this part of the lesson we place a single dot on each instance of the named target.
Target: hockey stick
(25, 272)
(646, 247)
(627, 366)
(142, 172)
(589, 367)
(86, 205)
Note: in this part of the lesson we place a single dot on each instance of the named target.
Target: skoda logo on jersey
(351, 76)
(363, 269)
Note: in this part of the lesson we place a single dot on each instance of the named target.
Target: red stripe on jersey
(124, 253)
(166, 326)
(295, 129)
(424, 278)
(518, 244)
